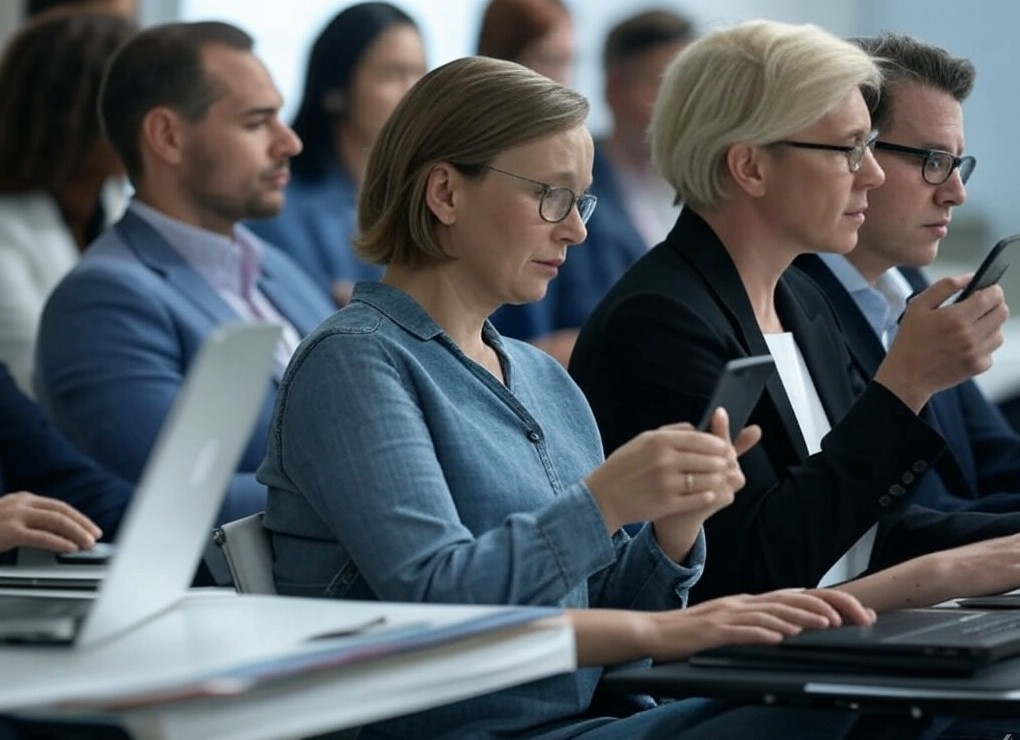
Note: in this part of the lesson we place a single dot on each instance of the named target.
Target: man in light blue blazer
(193, 114)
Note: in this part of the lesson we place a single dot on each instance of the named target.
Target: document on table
(360, 642)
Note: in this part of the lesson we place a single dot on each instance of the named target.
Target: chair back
(248, 549)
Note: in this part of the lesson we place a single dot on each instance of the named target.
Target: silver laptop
(172, 511)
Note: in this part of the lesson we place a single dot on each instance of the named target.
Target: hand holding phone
(738, 389)
(991, 269)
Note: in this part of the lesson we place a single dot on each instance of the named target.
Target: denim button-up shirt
(401, 470)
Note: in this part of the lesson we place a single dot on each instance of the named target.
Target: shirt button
(885, 501)
(897, 490)
(919, 467)
(534, 436)
(907, 478)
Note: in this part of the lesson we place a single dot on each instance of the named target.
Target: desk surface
(209, 633)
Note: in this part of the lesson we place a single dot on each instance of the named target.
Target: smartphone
(738, 389)
(98, 555)
(991, 270)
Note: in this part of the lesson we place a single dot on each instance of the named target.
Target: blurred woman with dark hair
(60, 183)
(360, 66)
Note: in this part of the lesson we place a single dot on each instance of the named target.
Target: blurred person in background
(360, 66)
(60, 183)
(536, 33)
(635, 204)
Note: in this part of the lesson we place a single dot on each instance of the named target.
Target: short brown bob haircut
(466, 113)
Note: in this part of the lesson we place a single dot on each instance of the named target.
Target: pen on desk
(355, 629)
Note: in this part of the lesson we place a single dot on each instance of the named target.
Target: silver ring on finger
(688, 482)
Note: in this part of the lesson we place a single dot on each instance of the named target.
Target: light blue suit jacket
(119, 333)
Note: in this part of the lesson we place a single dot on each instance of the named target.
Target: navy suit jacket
(981, 471)
(34, 457)
(592, 267)
(118, 336)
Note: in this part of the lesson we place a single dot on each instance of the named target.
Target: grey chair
(248, 549)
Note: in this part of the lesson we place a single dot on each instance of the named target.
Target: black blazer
(981, 469)
(650, 355)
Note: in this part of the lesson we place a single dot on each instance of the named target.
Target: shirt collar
(406, 312)
(231, 263)
(881, 303)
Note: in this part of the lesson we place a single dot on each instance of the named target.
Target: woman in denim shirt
(417, 456)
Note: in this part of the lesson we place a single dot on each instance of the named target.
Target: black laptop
(936, 641)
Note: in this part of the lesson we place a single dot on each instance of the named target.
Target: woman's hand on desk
(28, 520)
(608, 636)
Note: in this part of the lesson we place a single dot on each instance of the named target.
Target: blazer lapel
(821, 344)
(864, 345)
(279, 288)
(708, 257)
(152, 250)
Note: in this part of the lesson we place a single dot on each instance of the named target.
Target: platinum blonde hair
(758, 82)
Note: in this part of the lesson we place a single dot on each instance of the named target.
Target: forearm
(608, 636)
(677, 536)
(919, 582)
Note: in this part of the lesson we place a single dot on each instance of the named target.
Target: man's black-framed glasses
(854, 154)
(936, 165)
(556, 202)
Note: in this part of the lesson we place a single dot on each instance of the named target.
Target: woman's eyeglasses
(556, 202)
(854, 154)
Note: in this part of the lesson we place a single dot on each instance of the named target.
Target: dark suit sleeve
(994, 444)
(654, 361)
(35, 457)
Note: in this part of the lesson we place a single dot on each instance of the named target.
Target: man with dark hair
(920, 146)
(636, 208)
(193, 114)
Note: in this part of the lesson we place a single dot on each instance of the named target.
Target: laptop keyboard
(991, 624)
(968, 626)
(28, 607)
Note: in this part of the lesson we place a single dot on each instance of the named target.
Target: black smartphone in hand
(991, 270)
(738, 389)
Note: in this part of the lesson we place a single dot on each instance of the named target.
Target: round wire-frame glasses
(556, 201)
